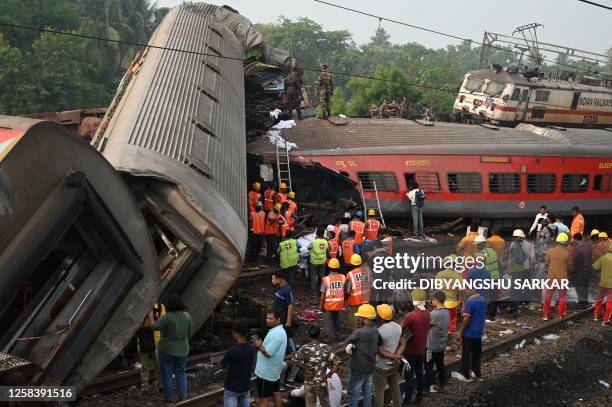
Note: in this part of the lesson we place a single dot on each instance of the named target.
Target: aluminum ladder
(283, 169)
(365, 208)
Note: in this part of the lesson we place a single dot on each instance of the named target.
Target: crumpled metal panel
(187, 108)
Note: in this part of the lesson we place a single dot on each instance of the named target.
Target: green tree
(13, 81)
(338, 102)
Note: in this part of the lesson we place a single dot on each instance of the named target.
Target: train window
(465, 182)
(541, 183)
(524, 95)
(516, 94)
(504, 183)
(495, 88)
(385, 181)
(542, 95)
(538, 113)
(474, 84)
(575, 183)
(428, 181)
(603, 183)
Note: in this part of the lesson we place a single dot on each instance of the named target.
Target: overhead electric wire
(412, 84)
(595, 4)
(380, 18)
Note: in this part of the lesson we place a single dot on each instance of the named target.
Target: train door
(575, 99)
(410, 179)
(521, 107)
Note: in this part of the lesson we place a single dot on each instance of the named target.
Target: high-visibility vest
(269, 199)
(358, 226)
(337, 230)
(285, 225)
(254, 197)
(371, 229)
(289, 255)
(272, 223)
(348, 249)
(492, 262)
(290, 219)
(333, 249)
(318, 253)
(360, 292)
(334, 292)
(258, 222)
(280, 197)
(292, 205)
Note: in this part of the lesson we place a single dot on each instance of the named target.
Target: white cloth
(284, 124)
(412, 196)
(334, 391)
(274, 113)
(536, 221)
(274, 136)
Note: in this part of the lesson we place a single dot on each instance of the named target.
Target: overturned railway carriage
(465, 170)
(507, 97)
(78, 270)
(176, 130)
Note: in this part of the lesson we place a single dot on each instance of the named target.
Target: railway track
(215, 397)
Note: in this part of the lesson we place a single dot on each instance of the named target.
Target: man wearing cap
(517, 259)
(319, 250)
(601, 248)
(604, 264)
(362, 345)
(557, 259)
(436, 342)
(254, 197)
(417, 323)
(333, 291)
(450, 279)
(372, 226)
(388, 358)
(359, 288)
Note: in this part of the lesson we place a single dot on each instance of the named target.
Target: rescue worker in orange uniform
(333, 292)
(496, 242)
(577, 223)
(372, 226)
(466, 246)
(286, 220)
(254, 197)
(281, 196)
(258, 230)
(334, 248)
(358, 227)
(268, 198)
(272, 231)
(359, 288)
(349, 247)
(291, 210)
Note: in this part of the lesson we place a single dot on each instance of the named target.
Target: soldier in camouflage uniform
(315, 358)
(383, 110)
(293, 89)
(325, 87)
(404, 108)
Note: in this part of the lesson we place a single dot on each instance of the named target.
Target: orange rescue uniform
(269, 199)
(371, 229)
(258, 222)
(333, 249)
(358, 226)
(577, 225)
(360, 291)
(348, 249)
(334, 292)
(254, 197)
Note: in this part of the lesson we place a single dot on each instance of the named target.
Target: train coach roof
(362, 136)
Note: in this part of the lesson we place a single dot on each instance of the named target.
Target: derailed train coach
(91, 239)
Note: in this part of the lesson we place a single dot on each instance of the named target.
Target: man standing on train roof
(539, 221)
(372, 226)
(254, 197)
(383, 110)
(416, 196)
(358, 227)
(577, 222)
(404, 108)
(293, 89)
(325, 87)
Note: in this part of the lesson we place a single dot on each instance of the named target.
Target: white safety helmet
(330, 228)
(518, 233)
(480, 239)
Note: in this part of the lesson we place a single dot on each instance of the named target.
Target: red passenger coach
(465, 170)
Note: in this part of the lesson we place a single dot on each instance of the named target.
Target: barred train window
(504, 183)
(575, 183)
(428, 181)
(385, 181)
(603, 183)
(465, 182)
(542, 95)
(541, 183)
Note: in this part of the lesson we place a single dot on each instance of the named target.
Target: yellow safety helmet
(419, 296)
(277, 207)
(355, 259)
(291, 194)
(371, 212)
(366, 311)
(603, 235)
(256, 186)
(283, 185)
(562, 238)
(594, 232)
(385, 312)
(333, 264)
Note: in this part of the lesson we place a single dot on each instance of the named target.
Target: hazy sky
(566, 22)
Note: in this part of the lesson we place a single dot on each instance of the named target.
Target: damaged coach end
(176, 131)
(77, 264)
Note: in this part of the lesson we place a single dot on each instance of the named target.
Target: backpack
(419, 198)
(553, 231)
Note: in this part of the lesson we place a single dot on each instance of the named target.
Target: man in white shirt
(540, 220)
(334, 390)
(416, 197)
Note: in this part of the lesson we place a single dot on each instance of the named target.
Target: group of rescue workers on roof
(339, 271)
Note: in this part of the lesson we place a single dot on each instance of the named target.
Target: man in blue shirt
(270, 355)
(239, 363)
(283, 298)
(470, 336)
(480, 277)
